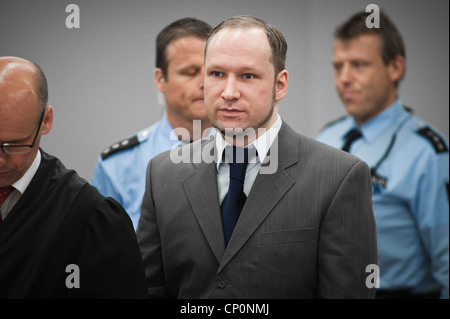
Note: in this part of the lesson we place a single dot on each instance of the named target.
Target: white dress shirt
(262, 145)
(20, 186)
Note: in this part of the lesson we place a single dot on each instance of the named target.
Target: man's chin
(229, 127)
(198, 115)
(352, 107)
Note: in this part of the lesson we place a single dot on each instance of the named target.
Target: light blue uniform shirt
(410, 196)
(121, 169)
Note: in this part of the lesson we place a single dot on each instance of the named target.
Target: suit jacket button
(222, 283)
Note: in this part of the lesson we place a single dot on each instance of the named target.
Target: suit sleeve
(150, 242)
(347, 243)
(110, 263)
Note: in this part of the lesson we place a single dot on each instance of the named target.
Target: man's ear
(397, 68)
(159, 79)
(47, 121)
(281, 85)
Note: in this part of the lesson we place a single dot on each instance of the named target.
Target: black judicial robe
(62, 220)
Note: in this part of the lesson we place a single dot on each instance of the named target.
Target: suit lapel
(202, 193)
(266, 192)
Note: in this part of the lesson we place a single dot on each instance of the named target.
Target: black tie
(350, 137)
(235, 199)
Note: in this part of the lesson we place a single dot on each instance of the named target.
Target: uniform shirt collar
(166, 129)
(376, 126)
(262, 144)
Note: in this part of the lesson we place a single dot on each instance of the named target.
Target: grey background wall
(101, 75)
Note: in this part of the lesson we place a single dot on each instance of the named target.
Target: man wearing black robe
(59, 237)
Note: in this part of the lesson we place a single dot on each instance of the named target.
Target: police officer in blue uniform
(120, 169)
(409, 160)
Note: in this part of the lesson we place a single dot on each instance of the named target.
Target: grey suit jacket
(306, 231)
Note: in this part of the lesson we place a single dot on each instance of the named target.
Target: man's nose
(3, 156)
(345, 74)
(231, 90)
(201, 79)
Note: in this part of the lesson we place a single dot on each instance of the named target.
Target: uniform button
(222, 283)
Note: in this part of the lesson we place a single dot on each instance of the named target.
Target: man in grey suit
(306, 229)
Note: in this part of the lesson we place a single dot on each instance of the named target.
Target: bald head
(24, 116)
(23, 79)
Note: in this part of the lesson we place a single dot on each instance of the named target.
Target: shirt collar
(22, 184)
(166, 129)
(380, 123)
(262, 144)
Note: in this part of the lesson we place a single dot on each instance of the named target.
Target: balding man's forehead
(17, 82)
(13, 59)
(16, 97)
(9, 67)
(13, 68)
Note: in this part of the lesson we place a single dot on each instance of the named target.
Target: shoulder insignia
(434, 138)
(119, 146)
(334, 122)
(408, 109)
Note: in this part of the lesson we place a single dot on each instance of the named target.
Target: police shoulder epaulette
(334, 122)
(434, 138)
(119, 146)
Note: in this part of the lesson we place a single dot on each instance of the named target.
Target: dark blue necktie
(235, 199)
(350, 137)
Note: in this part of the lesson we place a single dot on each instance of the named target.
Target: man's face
(16, 127)
(240, 86)
(19, 117)
(365, 84)
(183, 85)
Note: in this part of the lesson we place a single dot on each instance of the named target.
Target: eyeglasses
(22, 149)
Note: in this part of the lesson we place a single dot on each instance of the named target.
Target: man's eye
(358, 64)
(248, 76)
(216, 73)
(337, 66)
(190, 72)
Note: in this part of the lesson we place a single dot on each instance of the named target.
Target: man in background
(408, 158)
(120, 169)
(59, 238)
